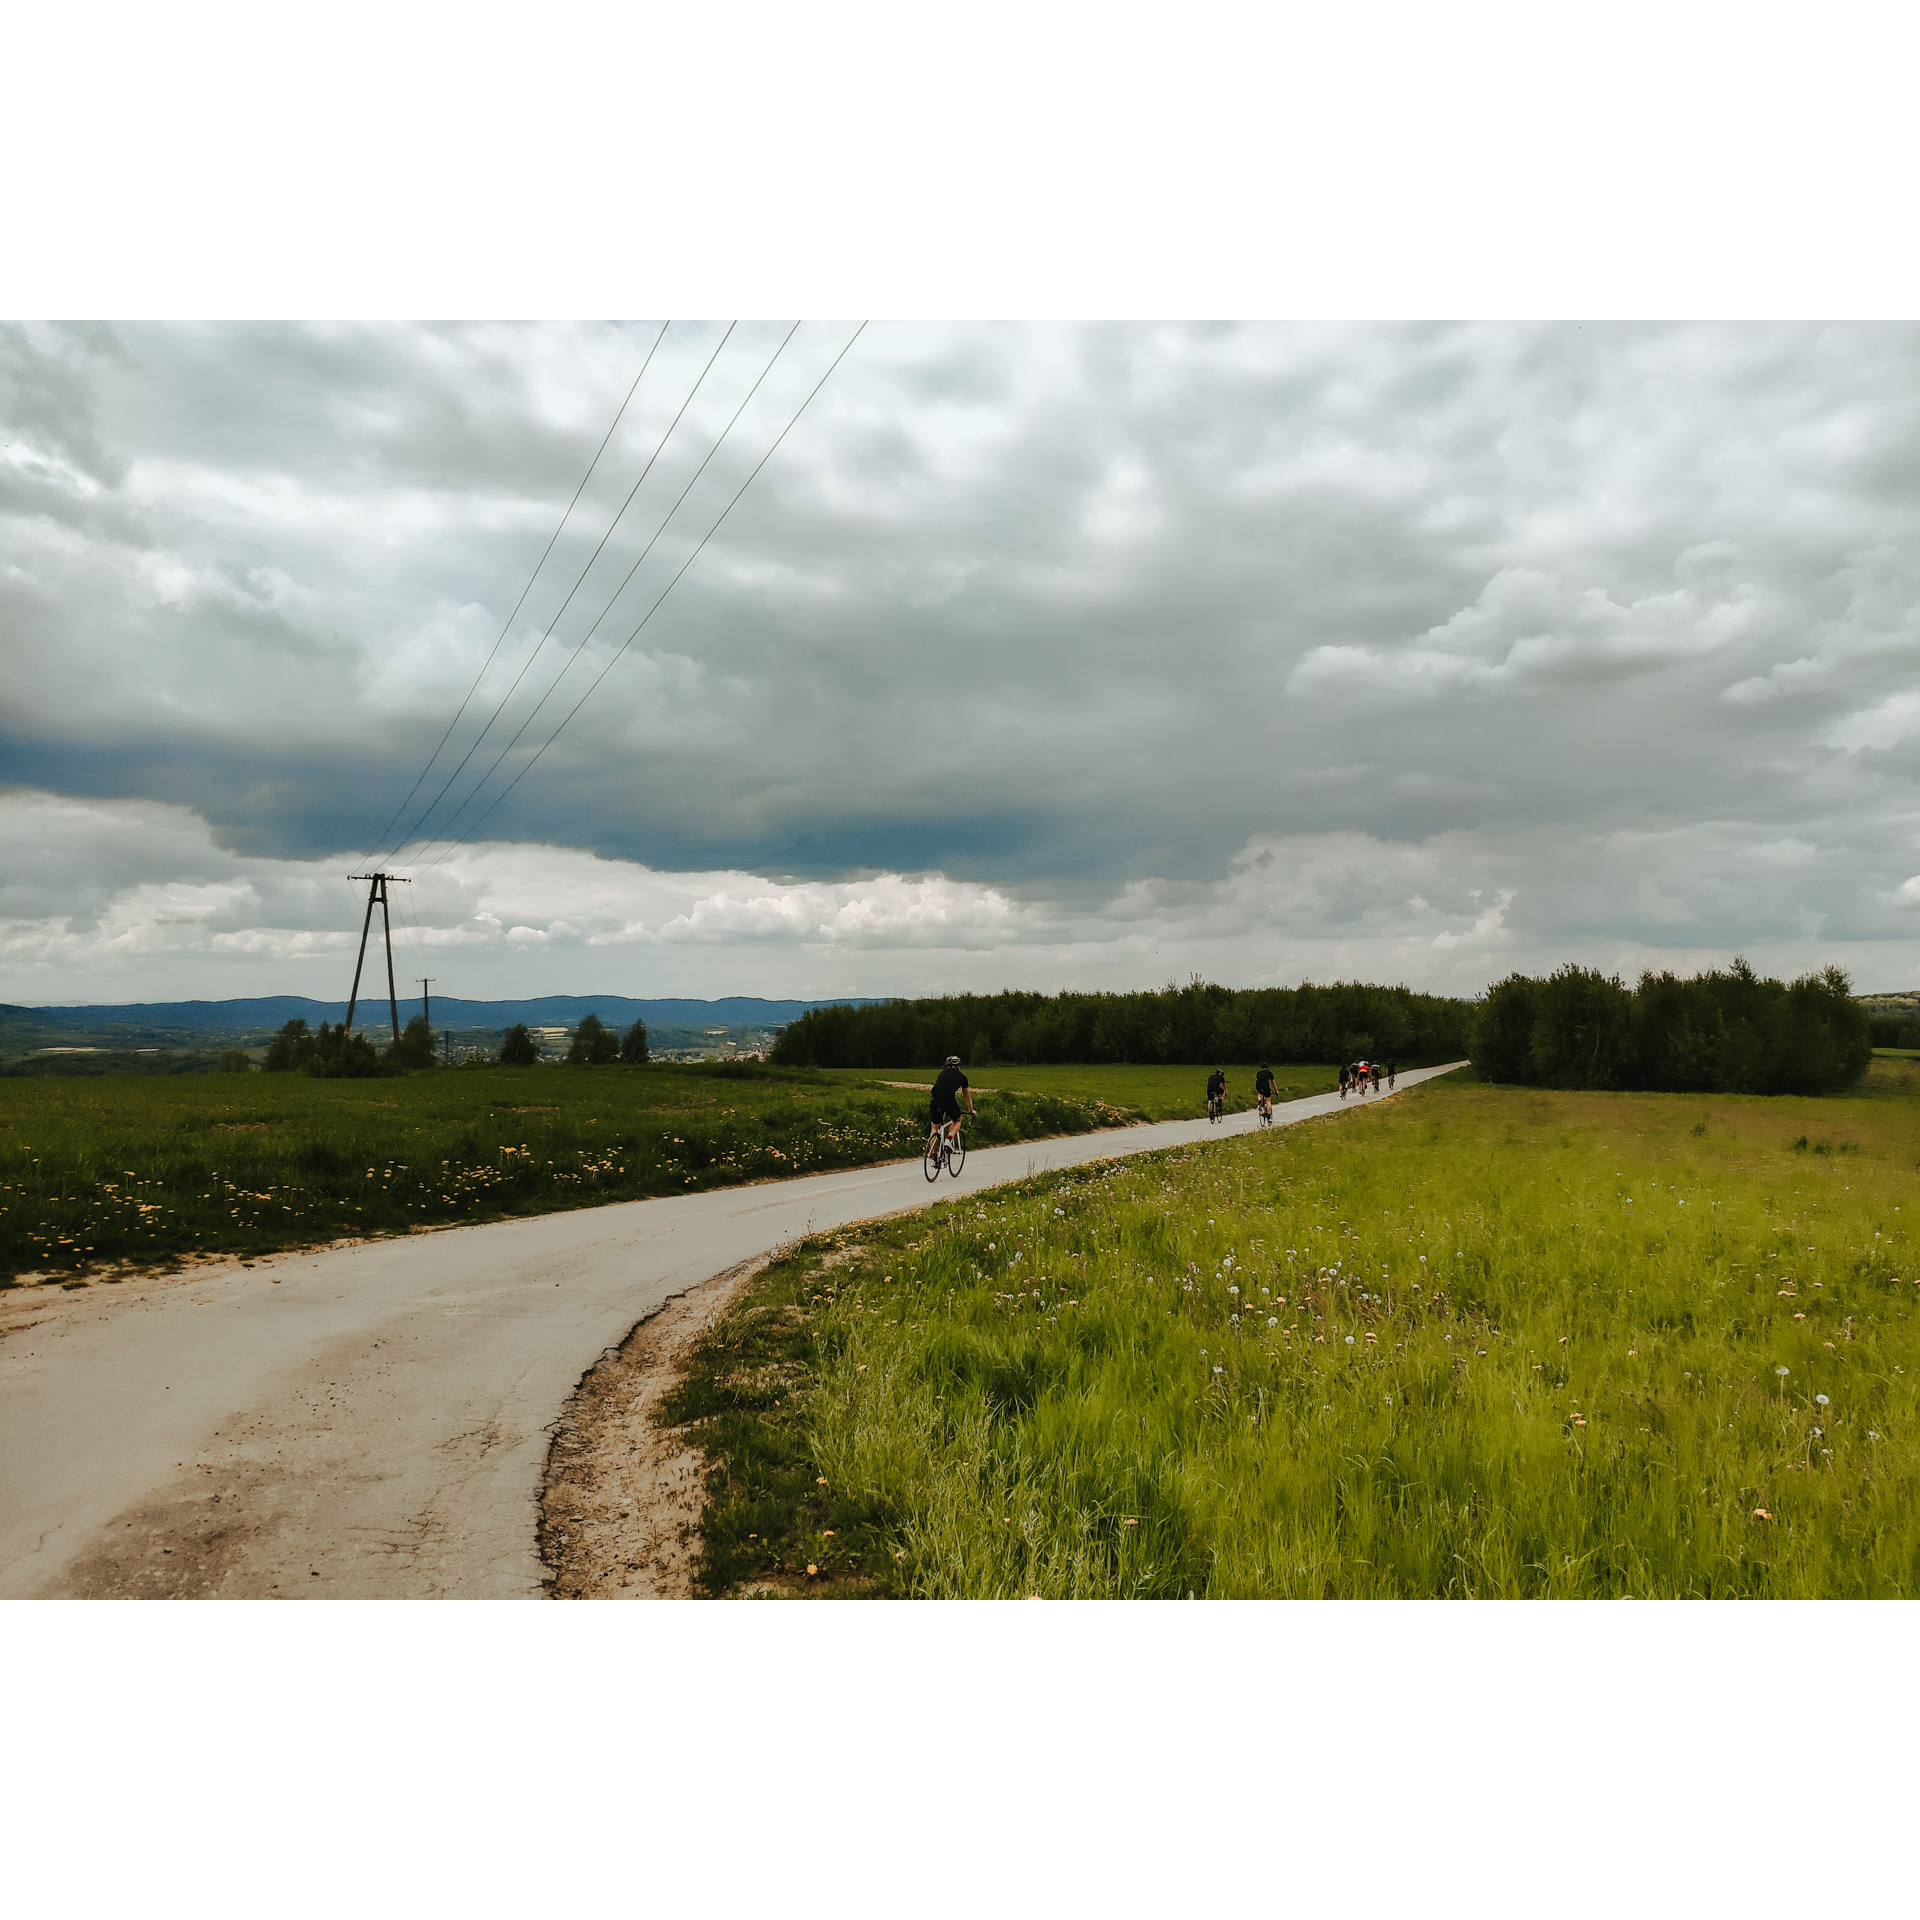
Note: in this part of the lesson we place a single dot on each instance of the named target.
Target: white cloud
(1529, 632)
(1878, 728)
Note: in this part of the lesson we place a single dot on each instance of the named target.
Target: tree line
(1198, 1024)
(335, 1054)
(1723, 1031)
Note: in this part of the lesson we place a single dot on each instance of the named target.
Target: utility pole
(426, 1000)
(447, 1041)
(378, 884)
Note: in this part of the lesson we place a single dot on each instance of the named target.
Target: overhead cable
(474, 791)
(655, 608)
(426, 812)
(379, 839)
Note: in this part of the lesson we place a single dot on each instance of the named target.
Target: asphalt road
(372, 1421)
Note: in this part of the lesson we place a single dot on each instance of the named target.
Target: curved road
(372, 1421)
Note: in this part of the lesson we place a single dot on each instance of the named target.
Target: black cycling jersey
(946, 1093)
(1216, 1083)
(1263, 1082)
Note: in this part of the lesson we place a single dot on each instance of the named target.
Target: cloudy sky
(1035, 655)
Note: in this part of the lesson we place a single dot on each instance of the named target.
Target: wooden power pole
(377, 886)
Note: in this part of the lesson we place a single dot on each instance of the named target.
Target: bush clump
(1719, 1032)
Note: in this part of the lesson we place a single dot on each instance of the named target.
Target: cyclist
(1216, 1093)
(1376, 1076)
(1263, 1086)
(1345, 1075)
(1392, 1069)
(944, 1108)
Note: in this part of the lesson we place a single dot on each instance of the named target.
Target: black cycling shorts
(944, 1111)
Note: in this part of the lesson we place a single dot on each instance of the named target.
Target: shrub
(235, 1060)
(517, 1048)
(340, 1055)
(633, 1049)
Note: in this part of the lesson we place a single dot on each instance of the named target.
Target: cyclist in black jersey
(1216, 1093)
(1263, 1086)
(944, 1107)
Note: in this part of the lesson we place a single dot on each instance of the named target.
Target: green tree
(235, 1060)
(517, 1048)
(291, 1049)
(593, 1044)
(414, 1048)
(340, 1055)
(633, 1049)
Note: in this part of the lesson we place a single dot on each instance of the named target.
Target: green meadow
(1151, 1092)
(111, 1172)
(1473, 1341)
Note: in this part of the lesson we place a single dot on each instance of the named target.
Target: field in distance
(119, 1172)
(1473, 1341)
(1153, 1092)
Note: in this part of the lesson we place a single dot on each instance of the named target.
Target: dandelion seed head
(1820, 1400)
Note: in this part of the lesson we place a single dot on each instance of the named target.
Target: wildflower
(1349, 1339)
(1273, 1320)
(1871, 1435)
(1819, 1399)
(1781, 1371)
(1817, 1434)
(811, 1569)
(1760, 1513)
(1219, 1369)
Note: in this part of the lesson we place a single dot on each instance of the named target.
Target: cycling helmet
(953, 1059)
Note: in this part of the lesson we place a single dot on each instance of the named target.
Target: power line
(380, 837)
(426, 812)
(474, 791)
(655, 608)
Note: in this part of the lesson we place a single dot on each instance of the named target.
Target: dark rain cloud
(1617, 625)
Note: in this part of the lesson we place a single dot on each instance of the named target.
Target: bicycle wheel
(957, 1153)
(930, 1165)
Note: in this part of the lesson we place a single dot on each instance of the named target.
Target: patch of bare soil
(622, 1498)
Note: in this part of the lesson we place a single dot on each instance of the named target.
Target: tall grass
(103, 1172)
(1481, 1341)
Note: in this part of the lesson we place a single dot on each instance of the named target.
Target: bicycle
(1266, 1112)
(944, 1150)
(1216, 1107)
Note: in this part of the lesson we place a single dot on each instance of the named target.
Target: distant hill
(550, 1010)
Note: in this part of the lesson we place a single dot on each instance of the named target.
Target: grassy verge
(1155, 1093)
(1478, 1341)
(108, 1172)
